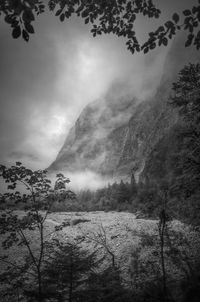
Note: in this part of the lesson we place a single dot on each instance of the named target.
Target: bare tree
(101, 238)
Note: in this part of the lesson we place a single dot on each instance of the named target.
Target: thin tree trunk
(71, 281)
(163, 260)
(113, 259)
(40, 299)
(162, 227)
(18, 299)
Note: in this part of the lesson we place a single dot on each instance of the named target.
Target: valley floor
(133, 244)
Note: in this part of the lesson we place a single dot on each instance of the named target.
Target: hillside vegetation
(97, 256)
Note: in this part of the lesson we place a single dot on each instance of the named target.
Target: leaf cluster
(112, 16)
(189, 21)
(20, 14)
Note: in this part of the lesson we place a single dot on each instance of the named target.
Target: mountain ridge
(115, 136)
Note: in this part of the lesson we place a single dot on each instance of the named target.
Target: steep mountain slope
(88, 144)
(115, 136)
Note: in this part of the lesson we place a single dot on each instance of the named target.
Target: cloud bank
(47, 82)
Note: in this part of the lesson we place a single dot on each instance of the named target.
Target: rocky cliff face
(114, 141)
(95, 141)
(115, 136)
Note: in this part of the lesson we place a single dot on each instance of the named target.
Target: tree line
(172, 167)
(52, 270)
(49, 267)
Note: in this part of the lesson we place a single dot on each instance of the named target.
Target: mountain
(115, 136)
(94, 142)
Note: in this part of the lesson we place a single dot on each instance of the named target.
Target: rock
(116, 135)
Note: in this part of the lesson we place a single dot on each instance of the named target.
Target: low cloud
(83, 180)
(46, 83)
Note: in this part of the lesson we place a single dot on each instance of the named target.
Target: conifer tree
(186, 161)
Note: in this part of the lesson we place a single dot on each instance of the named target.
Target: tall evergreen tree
(106, 286)
(186, 168)
(65, 273)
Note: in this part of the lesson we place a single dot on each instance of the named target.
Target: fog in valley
(100, 151)
(46, 83)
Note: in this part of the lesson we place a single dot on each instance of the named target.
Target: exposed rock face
(95, 141)
(113, 141)
(115, 136)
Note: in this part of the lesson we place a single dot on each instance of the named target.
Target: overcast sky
(46, 82)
